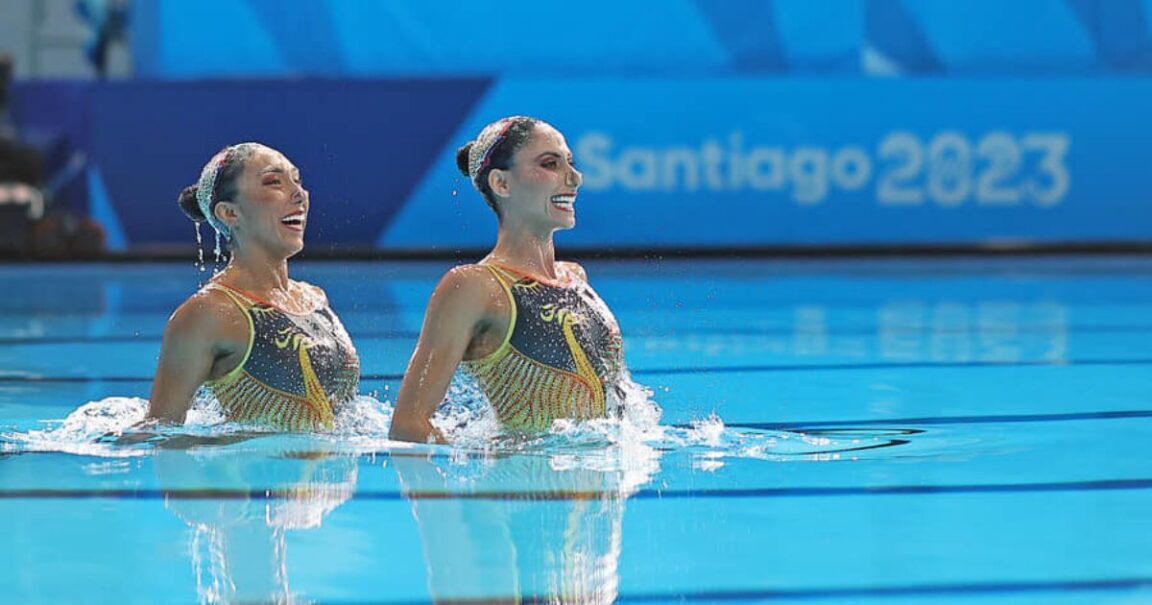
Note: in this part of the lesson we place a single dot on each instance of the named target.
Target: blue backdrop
(668, 163)
(369, 38)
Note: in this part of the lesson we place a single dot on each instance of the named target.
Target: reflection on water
(504, 517)
(898, 331)
(528, 517)
(238, 544)
(522, 527)
(239, 491)
(989, 331)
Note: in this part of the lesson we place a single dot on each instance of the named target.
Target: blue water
(850, 431)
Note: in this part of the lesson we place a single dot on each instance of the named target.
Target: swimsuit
(297, 370)
(562, 350)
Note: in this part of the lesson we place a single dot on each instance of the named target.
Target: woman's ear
(498, 182)
(227, 213)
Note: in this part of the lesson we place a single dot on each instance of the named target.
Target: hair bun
(462, 157)
(190, 205)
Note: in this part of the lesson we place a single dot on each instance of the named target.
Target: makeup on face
(275, 192)
(547, 173)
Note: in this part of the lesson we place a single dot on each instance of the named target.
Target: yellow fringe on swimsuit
(562, 349)
(297, 371)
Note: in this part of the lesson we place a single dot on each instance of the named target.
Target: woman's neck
(532, 254)
(258, 273)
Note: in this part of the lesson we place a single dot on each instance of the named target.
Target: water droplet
(219, 254)
(199, 249)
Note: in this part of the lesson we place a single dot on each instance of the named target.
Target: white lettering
(688, 164)
(637, 169)
(766, 168)
(809, 170)
(592, 152)
(946, 168)
(851, 168)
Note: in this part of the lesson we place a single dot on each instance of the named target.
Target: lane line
(737, 595)
(967, 588)
(635, 334)
(280, 493)
(938, 420)
(699, 370)
(889, 366)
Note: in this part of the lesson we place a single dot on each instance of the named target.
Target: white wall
(46, 39)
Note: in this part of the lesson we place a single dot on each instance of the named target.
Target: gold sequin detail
(527, 394)
(248, 400)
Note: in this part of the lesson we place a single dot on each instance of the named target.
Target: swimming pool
(866, 431)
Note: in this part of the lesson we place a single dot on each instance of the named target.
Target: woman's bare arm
(458, 305)
(191, 346)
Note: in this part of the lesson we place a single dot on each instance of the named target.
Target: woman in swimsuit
(538, 340)
(270, 348)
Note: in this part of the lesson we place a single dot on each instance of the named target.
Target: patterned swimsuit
(298, 368)
(562, 351)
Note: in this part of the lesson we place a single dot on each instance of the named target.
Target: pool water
(946, 430)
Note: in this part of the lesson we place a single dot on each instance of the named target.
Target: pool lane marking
(922, 420)
(635, 334)
(813, 594)
(887, 366)
(967, 588)
(643, 494)
(697, 370)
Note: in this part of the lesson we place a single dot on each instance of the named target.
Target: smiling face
(271, 205)
(539, 189)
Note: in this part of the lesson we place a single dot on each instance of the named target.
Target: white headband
(206, 191)
(481, 150)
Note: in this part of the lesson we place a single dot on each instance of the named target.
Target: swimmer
(539, 341)
(270, 348)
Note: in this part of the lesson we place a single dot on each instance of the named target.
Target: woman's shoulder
(210, 298)
(473, 276)
(574, 269)
(470, 284)
(204, 313)
(313, 293)
(469, 273)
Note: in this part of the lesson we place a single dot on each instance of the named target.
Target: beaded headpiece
(206, 191)
(480, 154)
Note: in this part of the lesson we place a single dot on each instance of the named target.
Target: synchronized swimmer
(541, 344)
(538, 339)
(269, 347)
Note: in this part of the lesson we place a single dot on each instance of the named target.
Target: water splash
(200, 248)
(633, 442)
(97, 427)
(78, 433)
(467, 419)
(111, 427)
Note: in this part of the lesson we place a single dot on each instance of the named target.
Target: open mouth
(564, 202)
(296, 221)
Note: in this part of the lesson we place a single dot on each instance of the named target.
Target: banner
(768, 162)
(667, 163)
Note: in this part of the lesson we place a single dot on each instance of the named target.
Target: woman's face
(542, 182)
(272, 204)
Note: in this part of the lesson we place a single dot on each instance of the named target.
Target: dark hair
(513, 133)
(233, 157)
